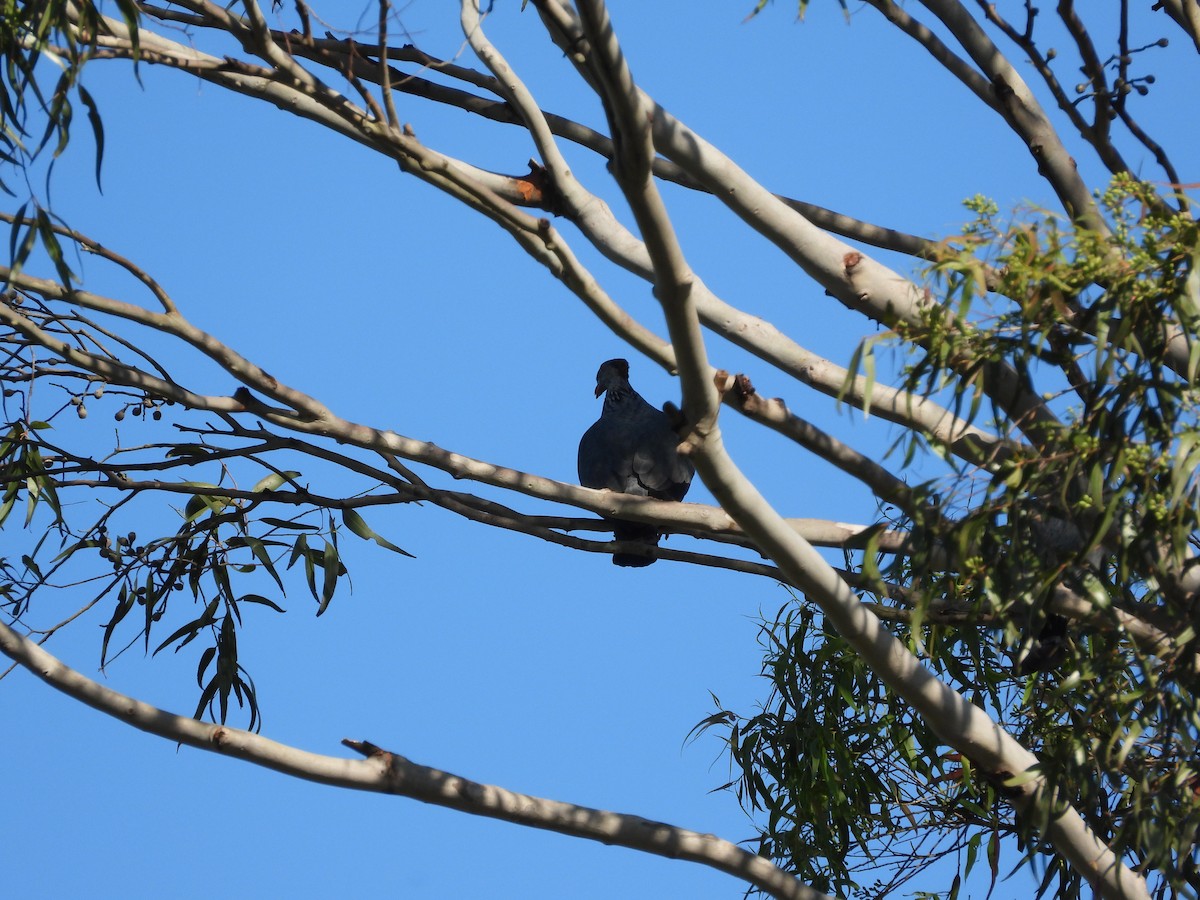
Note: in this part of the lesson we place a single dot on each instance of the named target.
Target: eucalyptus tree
(1006, 652)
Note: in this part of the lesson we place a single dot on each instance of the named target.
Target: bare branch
(859, 282)
(1023, 113)
(388, 773)
(347, 57)
(960, 723)
(1186, 14)
(549, 248)
(956, 65)
(1097, 134)
(287, 69)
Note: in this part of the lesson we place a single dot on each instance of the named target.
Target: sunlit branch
(349, 58)
(536, 236)
(611, 238)
(814, 370)
(697, 519)
(859, 282)
(1023, 113)
(1186, 14)
(775, 415)
(956, 65)
(1095, 133)
(548, 247)
(957, 721)
(605, 232)
(388, 773)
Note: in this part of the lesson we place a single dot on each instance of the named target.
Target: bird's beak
(599, 389)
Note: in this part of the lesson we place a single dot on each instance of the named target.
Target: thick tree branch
(756, 335)
(388, 773)
(596, 220)
(1186, 14)
(859, 282)
(1023, 113)
(957, 721)
(536, 236)
(956, 65)
(347, 57)
(549, 248)
(41, 314)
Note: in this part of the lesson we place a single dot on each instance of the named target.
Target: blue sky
(490, 654)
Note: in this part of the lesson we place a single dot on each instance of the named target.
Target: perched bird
(1047, 650)
(632, 449)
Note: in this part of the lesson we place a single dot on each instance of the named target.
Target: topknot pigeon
(632, 448)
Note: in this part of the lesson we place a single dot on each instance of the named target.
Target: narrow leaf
(93, 114)
(356, 524)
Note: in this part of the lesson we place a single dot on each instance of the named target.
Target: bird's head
(613, 374)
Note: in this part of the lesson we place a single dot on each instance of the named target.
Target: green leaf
(972, 852)
(1031, 774)
(206, 697)
(220, 575)
(192, 628)
(93, 115)
(260, 553)
(993, 852)
(32, 567)
(1128, 743)
(206, 659)
(273, 481)
(131, 14)
(31, 499)
(194, 507)
(300, 550)
(358, 526)
(198, 503)
(125, 602)
(54, 249)
(260, 599)
(190, 450)
(6, 507)
(19, 248)
(331, 563)
(284, 523)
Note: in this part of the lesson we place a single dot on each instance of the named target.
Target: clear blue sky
(491, 655)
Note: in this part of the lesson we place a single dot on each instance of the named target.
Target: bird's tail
(638, 533)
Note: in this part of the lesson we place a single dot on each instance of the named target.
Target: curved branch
(1023, 113)
(348, 57)
(316, 419)
(547, 246)
(857, 281)
(1185, 14)
(594, 218)
(957, 721)
(956, 65)
(388, 773)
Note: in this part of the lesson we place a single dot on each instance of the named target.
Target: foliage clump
(1053, 579)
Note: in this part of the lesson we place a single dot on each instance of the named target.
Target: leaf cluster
(36, 39)
(1097, 503)
(820, 759)
(1054, 583)
(224, 552)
